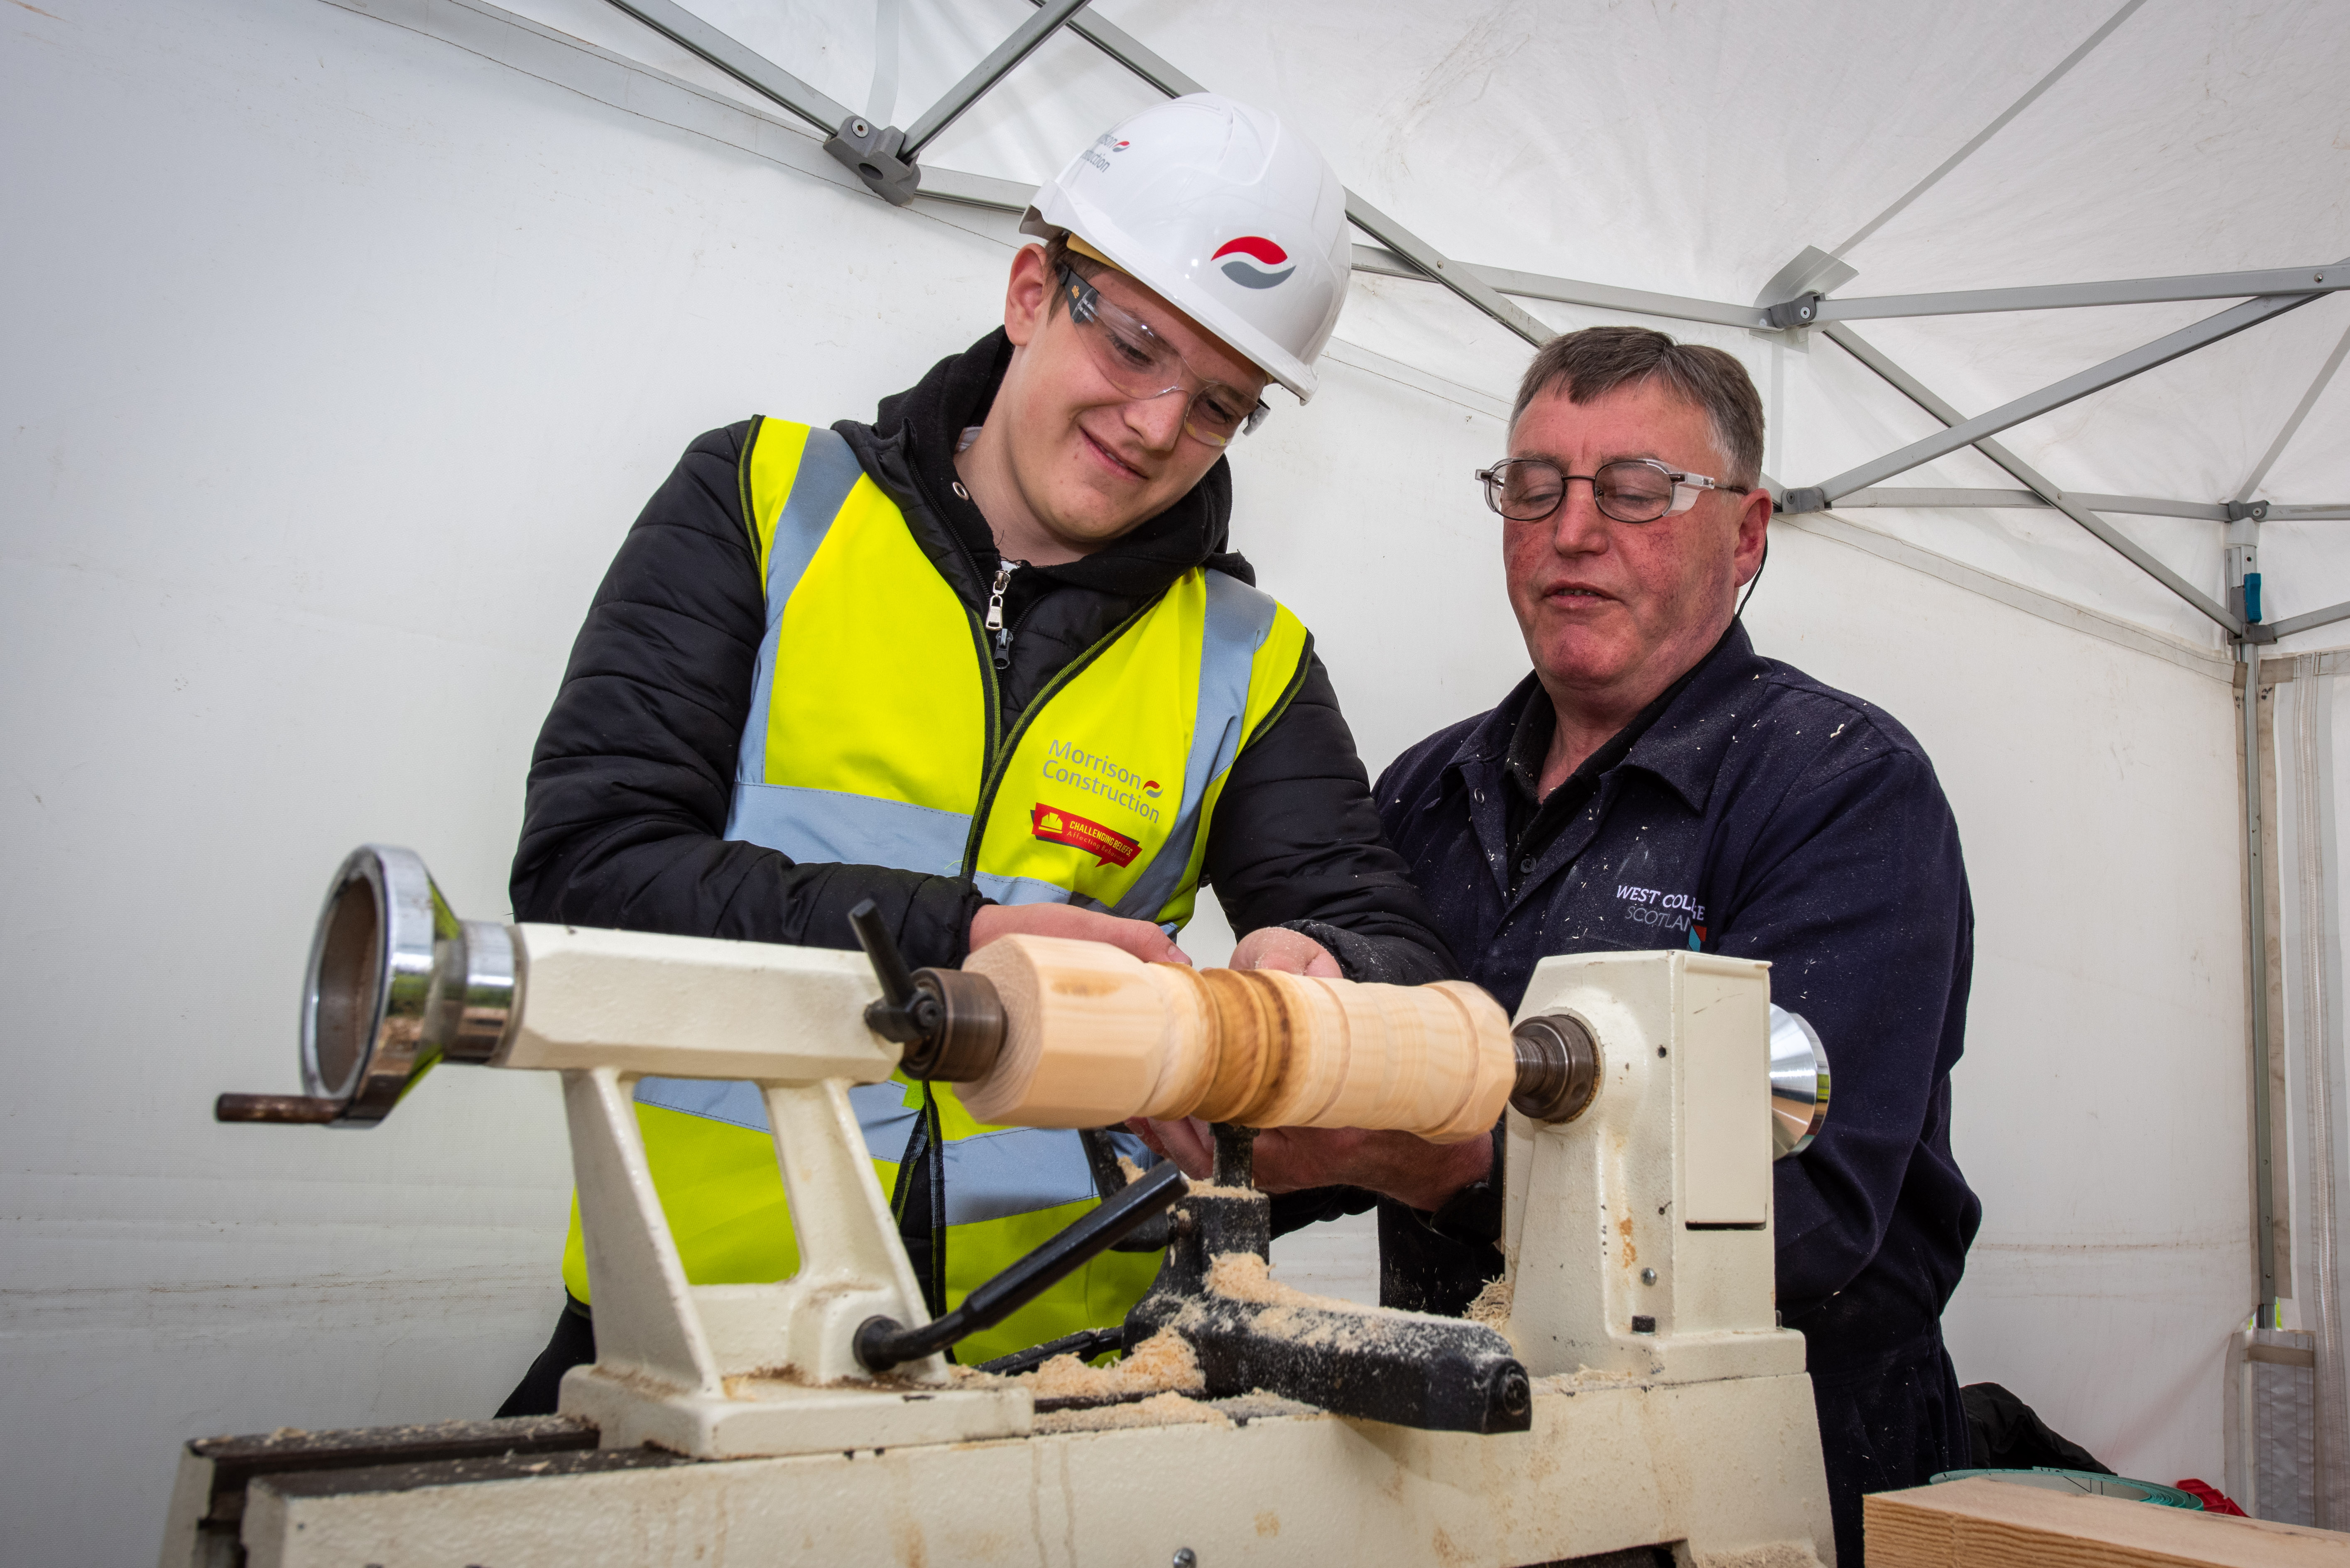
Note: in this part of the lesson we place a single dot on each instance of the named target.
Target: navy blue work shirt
(1759, 814)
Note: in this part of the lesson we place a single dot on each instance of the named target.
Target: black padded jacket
(631, 779)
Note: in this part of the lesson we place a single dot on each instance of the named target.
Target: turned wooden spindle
(1096, 1036)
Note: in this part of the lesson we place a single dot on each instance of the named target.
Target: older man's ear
(1754, 534)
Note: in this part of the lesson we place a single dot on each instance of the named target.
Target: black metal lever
(1085, 1345)
(883, 1342)
(898, 1015)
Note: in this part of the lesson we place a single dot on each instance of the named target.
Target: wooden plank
(1981, 1524)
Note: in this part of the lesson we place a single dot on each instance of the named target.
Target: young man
(1650, 760)
(988, 662)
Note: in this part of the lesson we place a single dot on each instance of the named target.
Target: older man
(1655, 782)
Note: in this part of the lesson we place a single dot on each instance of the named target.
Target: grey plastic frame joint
(874, 154)
(1805, 498)
(1802, 310)
(2240, 511)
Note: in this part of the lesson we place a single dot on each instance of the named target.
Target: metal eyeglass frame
(1087, 307)
(1687, 488)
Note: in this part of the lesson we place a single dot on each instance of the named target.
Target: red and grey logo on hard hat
(1253, 262)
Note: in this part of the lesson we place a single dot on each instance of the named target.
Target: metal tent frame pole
(2290, 280)
(1917, 391)
(2031, 405)
(2256, 913)
(881, 156)
(745, 65)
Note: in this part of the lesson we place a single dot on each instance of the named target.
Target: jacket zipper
(995, 612)
(1001, 755)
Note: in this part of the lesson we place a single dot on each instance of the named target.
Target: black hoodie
(634, 770)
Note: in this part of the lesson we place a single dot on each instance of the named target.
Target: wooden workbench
(1983, 1523)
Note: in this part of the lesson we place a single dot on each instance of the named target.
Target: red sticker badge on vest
(1057, 826)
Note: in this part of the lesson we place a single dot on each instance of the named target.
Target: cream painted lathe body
(1667, 1407)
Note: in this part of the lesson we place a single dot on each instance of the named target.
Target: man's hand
(1141, 937)
(1413, 1172)
(1277, 947)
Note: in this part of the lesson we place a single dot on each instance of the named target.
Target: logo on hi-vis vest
(1254, 257)
(1077, 768)
(1057, 826)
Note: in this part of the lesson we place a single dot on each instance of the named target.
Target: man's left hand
(1277, 947)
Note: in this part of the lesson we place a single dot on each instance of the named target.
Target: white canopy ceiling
(1695, 150)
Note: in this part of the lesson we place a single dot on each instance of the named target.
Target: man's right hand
(1141, 937)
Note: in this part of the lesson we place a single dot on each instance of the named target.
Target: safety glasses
(1629, 489)
(1144, 366)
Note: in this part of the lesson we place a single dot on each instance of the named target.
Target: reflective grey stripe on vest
(817, 826)
(993, 1176)
(1019, 1171)
(1239, 618)
(828, 471)
(1025, 890)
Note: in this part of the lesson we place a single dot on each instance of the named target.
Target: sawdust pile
(1290, 1313)
(1778, 1554)
(1166, 1409)
(1162, 1361)
(1245, 1277)
(1127, 1168)
(1491, 1306)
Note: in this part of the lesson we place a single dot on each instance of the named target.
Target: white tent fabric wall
(351, 335)
(2312, 745)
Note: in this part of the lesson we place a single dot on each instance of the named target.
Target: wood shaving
(1778, 1554)
(1591, 1377)
(1491, 1306)
(1127, 1168)
(1162, 1361)
(1166, 1409)
(1206, 1189)
(1245, 1277)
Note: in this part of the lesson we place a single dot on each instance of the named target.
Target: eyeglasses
(1144, 366)
(1629, 489)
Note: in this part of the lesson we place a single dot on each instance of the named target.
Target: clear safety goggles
(1629, 489)
(1144, 366)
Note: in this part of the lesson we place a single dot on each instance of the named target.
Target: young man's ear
(1028, 296)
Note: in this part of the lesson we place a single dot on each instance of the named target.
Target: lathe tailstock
(1624, 1386)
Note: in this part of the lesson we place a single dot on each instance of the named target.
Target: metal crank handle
(883, 1342)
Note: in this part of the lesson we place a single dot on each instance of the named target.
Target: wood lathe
(1624, 1386)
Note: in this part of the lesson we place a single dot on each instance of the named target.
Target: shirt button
(1527, 864)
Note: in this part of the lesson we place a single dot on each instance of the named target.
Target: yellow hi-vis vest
(873, 740)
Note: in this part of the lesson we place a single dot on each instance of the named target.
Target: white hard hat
(1231, 216)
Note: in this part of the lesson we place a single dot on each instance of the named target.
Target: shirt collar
(1682, 735)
